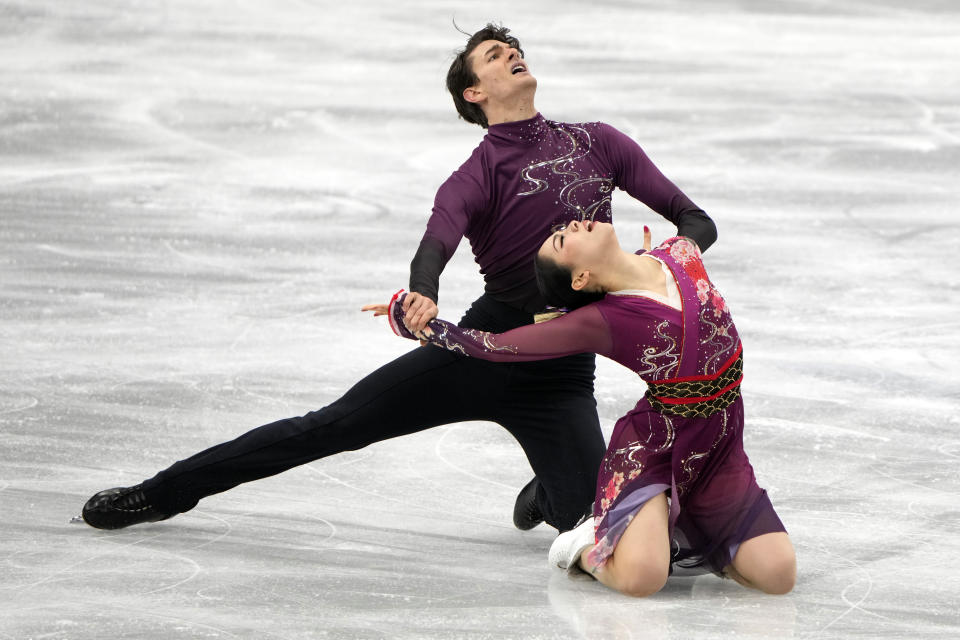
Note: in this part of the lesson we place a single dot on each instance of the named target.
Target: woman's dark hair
(461, 75)
(554, 282)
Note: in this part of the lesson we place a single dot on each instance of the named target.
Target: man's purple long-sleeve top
(526, 177)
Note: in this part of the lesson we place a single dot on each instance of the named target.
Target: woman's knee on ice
(642, 578)
(768, 563)
(778, 574)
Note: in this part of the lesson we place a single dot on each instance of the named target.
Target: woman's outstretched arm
(580, 331)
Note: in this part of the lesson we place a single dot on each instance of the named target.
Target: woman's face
(579, 245)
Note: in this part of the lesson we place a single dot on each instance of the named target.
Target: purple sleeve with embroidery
(582, 331)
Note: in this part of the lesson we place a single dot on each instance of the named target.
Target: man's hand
(418, 311)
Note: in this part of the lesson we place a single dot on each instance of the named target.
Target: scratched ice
(196, 199)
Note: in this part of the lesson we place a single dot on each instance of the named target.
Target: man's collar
(525, 132)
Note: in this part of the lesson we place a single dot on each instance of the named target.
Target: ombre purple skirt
(715, 502)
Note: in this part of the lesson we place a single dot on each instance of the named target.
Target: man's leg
(553, 416)
(422, 389)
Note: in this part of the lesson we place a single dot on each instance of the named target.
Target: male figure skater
(526, 175)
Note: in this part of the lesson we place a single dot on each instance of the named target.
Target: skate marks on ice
(15, 404)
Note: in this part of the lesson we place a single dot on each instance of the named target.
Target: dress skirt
(715, 501)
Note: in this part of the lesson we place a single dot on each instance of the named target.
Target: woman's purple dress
(685, 436)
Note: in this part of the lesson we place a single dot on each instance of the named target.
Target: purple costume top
(685, 435)
(527, 176)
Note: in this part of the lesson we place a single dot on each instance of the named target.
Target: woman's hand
(378, 309)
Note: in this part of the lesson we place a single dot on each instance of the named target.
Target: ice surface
(197, 197)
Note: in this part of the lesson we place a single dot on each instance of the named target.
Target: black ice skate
(526, 513)
(120, 507)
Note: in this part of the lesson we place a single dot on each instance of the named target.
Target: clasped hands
(418, 310)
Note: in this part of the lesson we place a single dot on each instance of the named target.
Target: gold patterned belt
(698, 396)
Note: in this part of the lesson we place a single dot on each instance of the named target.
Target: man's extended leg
(421, 389)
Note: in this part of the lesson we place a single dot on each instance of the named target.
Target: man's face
(501, 72)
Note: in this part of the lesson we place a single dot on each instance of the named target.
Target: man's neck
(519, 110)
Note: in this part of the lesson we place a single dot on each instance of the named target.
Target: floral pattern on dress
(683, 250)
(721, 338)
(612, 489)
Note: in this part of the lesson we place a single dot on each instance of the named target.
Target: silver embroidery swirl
(651, 353)
(715, 333)
(443, 339)
(586, 213)
(687, 463)
(477, 337)
(563, 166)
(629, 453)
(556, 165)
(489, 344)
(668, 442)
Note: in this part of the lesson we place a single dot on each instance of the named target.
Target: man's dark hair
(554, 281)
(461, 75)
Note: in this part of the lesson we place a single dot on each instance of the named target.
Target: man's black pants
(548, 406)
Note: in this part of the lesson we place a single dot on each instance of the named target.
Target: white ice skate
(566, 549)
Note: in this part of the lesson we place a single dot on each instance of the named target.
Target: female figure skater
(675, 486)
